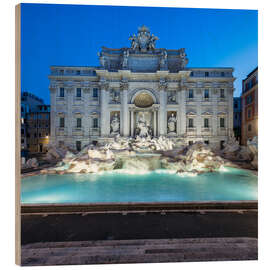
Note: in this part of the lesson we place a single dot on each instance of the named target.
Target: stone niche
(171, 122)
(115, 123)
(171, 97)
(115, 96)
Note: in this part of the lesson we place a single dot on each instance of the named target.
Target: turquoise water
(157, 186)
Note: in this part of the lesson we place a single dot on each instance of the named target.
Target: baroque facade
(141, 91)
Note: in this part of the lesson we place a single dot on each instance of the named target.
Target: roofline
(56, 66)
(210, 68)
(255, 69)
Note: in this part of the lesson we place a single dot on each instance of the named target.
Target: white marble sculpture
(115, 124)
(172, 124)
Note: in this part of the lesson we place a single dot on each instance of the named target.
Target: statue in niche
(115, 124)
(172, 97)
(115, 96)
(143, 130)
(172, 124)
(125, 59)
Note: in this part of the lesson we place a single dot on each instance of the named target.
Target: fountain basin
(230, 184)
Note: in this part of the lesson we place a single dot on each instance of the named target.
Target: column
(155, 123)
(215, 114)
(69, 121)
(86, 123)
(198, 124)
(162, 111)
(230, 110)
(103, 111)
(125, 113)
(132, 123)
(183, 116)
(53, 115)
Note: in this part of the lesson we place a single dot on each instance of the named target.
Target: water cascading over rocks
(139, 155)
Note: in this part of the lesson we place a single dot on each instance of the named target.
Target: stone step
(145, 251)
(138, 249)
(139, 242)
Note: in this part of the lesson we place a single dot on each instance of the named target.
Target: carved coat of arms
(143, 41)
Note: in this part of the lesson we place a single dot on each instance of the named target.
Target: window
(62, 92)
(235, 105)
(206, 74)
(95, 93)
(191, 74)
(222, 122)
(222, 145)
(190, 123)
(222, 95)
(206, 93)
(206, 142)
(62, 122)
(190, 93)
(78, 72)
(222, 74)
(190, 142)
(35, 135)
(206, 122)
(61, 72)
(235, 116)
(22, 141)
(78, 145)
(39, 135)
(22, 131)
(22, 109)
(95, 123)
(79, 122)
(249, 127)
(249, 99)
(78, 92)
(249, 113)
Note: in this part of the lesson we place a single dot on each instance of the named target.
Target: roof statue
(144, 41)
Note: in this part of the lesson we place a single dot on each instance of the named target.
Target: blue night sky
(73, 34)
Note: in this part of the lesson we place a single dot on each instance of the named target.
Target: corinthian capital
(104, 85)
(124, 84)
(163, 84)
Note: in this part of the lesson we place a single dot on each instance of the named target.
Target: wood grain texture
(17, 134)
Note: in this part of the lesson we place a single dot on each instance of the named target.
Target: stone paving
(140, 251)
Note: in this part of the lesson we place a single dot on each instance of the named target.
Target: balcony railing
(61, 131)
(94, 131)
(206, 130)
(78, 131)
(191, 130)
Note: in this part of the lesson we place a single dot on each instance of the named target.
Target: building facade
(29, 103)
(38, 129)
(237, 118)
(141, 91)
(249, 99)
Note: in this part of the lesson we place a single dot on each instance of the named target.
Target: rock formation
(146, 154)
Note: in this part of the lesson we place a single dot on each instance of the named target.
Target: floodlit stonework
(141, 91)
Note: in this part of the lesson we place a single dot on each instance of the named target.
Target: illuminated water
(158, 186)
